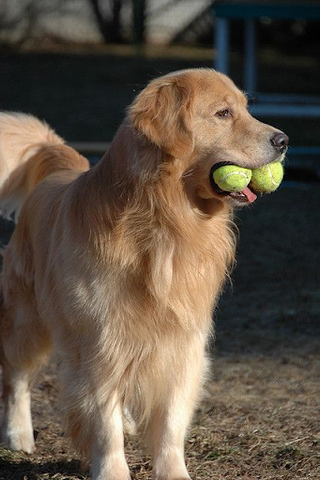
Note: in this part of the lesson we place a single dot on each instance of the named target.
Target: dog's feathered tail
(29, 151)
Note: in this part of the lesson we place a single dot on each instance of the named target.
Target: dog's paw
(19, 439)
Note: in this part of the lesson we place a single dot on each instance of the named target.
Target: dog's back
(29, 152)
(36, 167)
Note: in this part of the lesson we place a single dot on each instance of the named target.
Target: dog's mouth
(245, 196)
(241, 185)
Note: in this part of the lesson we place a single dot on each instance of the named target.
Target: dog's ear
(163, 113)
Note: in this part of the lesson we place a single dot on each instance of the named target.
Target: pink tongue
(249, 194)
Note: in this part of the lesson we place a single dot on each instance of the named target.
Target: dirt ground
(259, 418)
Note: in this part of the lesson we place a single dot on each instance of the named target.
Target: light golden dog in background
(119, 267)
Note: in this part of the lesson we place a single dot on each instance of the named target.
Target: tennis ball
(231, 178)
(268, 178)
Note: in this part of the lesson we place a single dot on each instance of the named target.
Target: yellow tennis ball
(268, 178)
(231, 178)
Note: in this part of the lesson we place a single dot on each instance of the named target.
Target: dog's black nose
(280, 141)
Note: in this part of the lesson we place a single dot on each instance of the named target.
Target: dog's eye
(224, 113)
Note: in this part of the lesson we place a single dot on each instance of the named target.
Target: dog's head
(200, 118)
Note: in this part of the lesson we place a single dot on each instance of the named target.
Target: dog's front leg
(107, 453)
(17, 432)
(169, 422)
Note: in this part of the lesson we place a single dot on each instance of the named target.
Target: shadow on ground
(13, 469)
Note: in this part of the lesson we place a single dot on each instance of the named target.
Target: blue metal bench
(277, 105)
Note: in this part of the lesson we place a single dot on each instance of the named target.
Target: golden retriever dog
(118, 268)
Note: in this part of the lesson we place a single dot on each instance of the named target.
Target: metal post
(222, 45)
(250, 73)
(139, 13)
